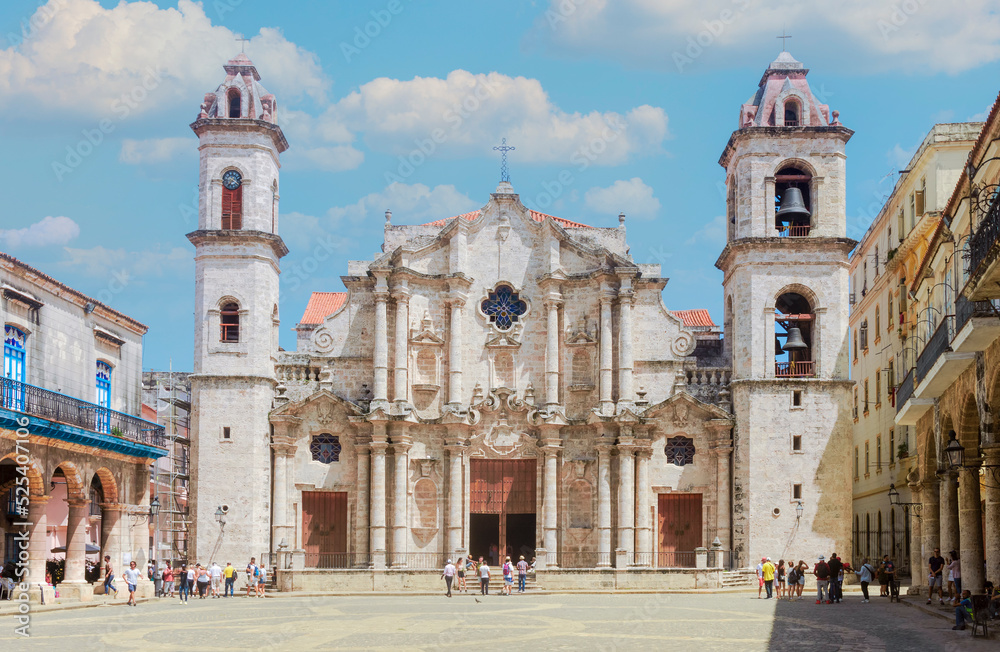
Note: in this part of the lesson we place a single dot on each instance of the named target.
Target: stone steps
(732, 579)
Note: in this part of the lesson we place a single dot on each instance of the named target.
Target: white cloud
(900, 156)
(712, 233)
(632, 197)
(155, 150)
(923, 35)
(134, 58)
(124, 264)
(410, 204)
(46, 232)
(465, 114)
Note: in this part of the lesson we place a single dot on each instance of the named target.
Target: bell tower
(786, 321)
(237, 254)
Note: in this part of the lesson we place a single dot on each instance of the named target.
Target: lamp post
(798, 510)
(896, 502)
(220, 517)
(955, 453)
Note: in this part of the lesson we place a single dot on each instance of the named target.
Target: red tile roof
(535, 215)
(321, 305)
(691, 318)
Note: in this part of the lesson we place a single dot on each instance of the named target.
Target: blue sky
(101, 170)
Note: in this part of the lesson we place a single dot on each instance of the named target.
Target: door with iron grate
(679, 518)
(324, 529)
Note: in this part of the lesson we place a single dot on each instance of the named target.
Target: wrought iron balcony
(977, 324)
(802, 369)
(939, 343)
(905, 391)
(53, 406)
(983, 248)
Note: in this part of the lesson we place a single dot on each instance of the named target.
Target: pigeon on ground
(477, 600)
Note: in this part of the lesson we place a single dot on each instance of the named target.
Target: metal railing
(938, 343)
(675, 559)
(981, 242)
(586, 559)
(343, 560)
(875, 545)
(22, 397)
(418, 560)
(800, 369)
(905, 390)
(966, 310)
(791, 231)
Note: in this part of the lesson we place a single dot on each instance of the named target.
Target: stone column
(76, 540)
(400, 481)
(607, 372)
(970, 527)
(550, 489)
(363, 533)
(918, 566)
(282, 526)
(552, 351)
(722, 449)
(626, 394)
(38, 551)
(626, 498)
(643, 521)
(378, 447)
(381, 358)
(604, 504)
(400, 387)
(992, 499)
(111, 543)
(456, 494)
(948, 512)
(930, 527)
(455, 353)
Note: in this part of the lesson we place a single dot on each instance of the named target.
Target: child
(963, 612)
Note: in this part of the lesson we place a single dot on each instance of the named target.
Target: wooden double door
(324, 529)
(502, 503)
(679, 529)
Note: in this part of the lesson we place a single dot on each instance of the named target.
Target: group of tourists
(455, 574)
(786, 580)
(781, 580)
(210, 581)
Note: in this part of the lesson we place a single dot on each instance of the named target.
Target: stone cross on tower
(503, 148)
(243, 41)
(784, 39)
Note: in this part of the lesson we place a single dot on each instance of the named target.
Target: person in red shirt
(822, 572)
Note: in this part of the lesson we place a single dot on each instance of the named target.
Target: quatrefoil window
(680, 450)
(504, 307)
(325, 448)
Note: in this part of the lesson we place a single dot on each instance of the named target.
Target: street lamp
(220, 516)
(955, 452)
(896, 502)
(798, 510)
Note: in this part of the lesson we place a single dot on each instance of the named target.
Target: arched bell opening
(793, 202)
(793, 336)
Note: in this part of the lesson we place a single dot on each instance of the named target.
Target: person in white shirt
(251, 576)
(261, 580)
(865, 575)
(484, 578)
(215, 571)
(449, 576)
(132, 576)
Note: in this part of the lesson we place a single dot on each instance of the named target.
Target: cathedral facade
(507, 382)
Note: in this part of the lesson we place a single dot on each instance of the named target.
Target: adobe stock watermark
(706, 38)
(32, 24)
(899, 15)
(122, 107)
(365, 34)
(581, 159)
(455, 117)
(22, 500)
(561, 12)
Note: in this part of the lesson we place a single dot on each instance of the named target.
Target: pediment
(323, 402)
(681, 407)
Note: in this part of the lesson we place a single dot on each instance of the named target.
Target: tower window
(797, 442)
(797, 398)
(793, 357)
(226, 432)
(791, 113)
(796, 492)
(232, 207)
(792, 198)
(230, 321)
(234, 103)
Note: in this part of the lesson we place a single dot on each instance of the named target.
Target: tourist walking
(185, 581)
(479, 564)
(168, 581)
(449, 576)
(252, 576)
(229, 574)
(767, 572)
(935, 570)
(460, 575)
(955, 568)
(261, 580)
(508, 576)
(779, 579)
(157, 579)
(865, 575)
(132, 581)
(760, 576)
(522, 574)
(215, 572)
(822, 572)
(203, 579)
(109, 577)
(484, 578)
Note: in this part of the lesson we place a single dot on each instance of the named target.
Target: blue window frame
(325, 448)
(103, 397)
(504, 307)
(13, 366)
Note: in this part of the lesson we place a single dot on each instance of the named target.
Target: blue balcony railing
(939, 342)
(38, 402)
(905, 391)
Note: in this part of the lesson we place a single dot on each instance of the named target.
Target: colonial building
(511, 382)
(951, 393)
(74, 454)
(882, 349)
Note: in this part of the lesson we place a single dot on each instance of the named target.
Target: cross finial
(503, 148)
(243, 42)
(783, 38)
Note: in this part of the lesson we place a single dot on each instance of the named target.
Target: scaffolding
(169, 393)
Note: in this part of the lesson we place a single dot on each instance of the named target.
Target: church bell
(794, 340)
(792, 206)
